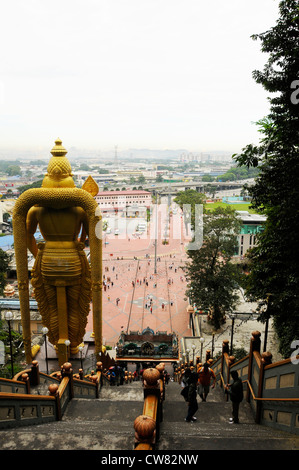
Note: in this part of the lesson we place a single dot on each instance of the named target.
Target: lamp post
(81, 351)
(193, 349)
(232, 333)
(269, 305)
(67, 343)
(8, 317)
(188, 358)
(202, 340)
(213, 343)
(45, 331)
(156, 231)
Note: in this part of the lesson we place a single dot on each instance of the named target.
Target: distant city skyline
(178, 155)
(168, 74)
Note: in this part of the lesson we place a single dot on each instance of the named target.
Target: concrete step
(128, 392)
(210, 436)
(107, 424)
(100, 424)
(119, 412)
(212, 430)
(63, 435)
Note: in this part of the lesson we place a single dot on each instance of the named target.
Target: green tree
(18, 356)
(239, 173)
(141, 179)
(14, 170)
(273, 263)
(210, 189)
(192, 197)
(6, 217)
(4, 263)
(4, 164)
(211, 275)
(207, 178)
(36, 184)
(84, 167)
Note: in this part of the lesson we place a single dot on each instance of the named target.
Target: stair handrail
(147, 434)
(268, 399)
(247, 382)
(13, 384)
(95, 377)
(60, 392)
(263, 381)
(18, 377)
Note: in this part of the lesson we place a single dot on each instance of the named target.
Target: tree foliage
(211, 274)
(35, 184)
(191, 198)
(18, 354)
(274, 266)
(6, 165)
(239, 173)
(4, 263)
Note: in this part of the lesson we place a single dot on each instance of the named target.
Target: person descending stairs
(107, 423)
(213, 430)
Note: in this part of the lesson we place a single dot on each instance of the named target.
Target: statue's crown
(58, 150)
(59, 171)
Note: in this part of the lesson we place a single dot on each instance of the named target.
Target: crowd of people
(118, 375)
(150, 299)
(199, 383)
(194, 383)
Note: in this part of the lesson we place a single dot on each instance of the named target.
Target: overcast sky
(132, 73)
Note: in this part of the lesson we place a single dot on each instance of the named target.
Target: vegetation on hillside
(274, 269)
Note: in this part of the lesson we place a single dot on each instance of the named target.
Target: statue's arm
(31, 226)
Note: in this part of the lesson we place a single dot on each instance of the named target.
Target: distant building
(13, 305)
(81, 176)
(252, 225)
(131, 202)
(147, 345)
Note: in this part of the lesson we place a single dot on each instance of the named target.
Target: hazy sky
(132, 73)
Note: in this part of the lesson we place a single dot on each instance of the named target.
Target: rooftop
(133, 192)
(254, 218)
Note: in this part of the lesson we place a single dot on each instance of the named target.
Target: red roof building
(115, 201)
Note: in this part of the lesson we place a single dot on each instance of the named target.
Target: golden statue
(63, 281)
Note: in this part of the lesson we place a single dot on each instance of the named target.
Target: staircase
(107, 424)
(88, 424)
(212, 430)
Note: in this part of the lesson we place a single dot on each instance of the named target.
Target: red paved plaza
(135, 297)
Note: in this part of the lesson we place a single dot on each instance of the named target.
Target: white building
(133, 203)
(253, 224)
